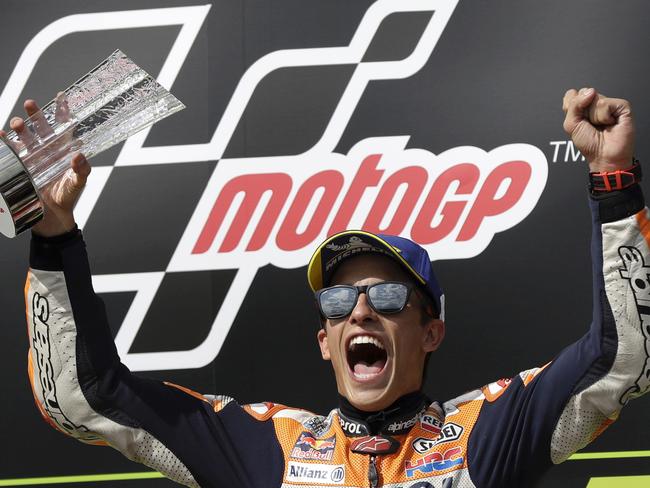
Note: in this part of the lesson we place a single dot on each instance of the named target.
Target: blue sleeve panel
(511, 441)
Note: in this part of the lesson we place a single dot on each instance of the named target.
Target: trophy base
(20, 206)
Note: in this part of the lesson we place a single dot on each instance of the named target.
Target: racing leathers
(505, 434)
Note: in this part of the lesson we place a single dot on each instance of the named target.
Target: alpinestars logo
(275, 209)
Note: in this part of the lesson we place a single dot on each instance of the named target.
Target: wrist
(601, 165)
(615, 180)
(52, 228)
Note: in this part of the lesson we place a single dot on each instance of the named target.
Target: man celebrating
(382, 316)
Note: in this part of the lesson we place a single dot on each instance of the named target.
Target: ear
(434, 333)
(322, 342)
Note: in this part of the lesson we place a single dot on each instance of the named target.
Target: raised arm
(618, 342)
(542, 416)
(83, 390)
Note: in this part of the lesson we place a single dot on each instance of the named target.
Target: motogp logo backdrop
(275, 209)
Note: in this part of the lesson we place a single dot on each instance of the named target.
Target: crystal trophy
(107, 105)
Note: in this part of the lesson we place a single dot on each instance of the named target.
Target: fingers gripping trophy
(43, 164)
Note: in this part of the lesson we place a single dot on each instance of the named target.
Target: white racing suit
(507, 433)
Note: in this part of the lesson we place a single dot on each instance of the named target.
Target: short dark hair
(428, 312)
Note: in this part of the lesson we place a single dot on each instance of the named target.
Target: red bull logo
(308, 447)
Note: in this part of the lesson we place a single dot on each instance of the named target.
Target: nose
(362, 311)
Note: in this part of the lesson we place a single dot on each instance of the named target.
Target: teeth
(365, 376)
(366, 340)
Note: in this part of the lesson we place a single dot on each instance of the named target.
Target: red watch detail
(615, 180)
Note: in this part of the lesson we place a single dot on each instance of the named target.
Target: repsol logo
(352, 428)
(431, 424)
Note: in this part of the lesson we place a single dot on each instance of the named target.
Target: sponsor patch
(449, 432)
(431, 424)
(353, 243)
(435, 461)
(376, 444)
(402, 425)
(308, 447)
(320, 473)
(353, 428)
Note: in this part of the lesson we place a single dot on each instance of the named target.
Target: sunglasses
(385, 298)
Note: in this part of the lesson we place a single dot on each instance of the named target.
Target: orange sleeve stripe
(27, 305)
(644, 225)
(271, 410)
(606, 423)
(188, 391)
(531, 376)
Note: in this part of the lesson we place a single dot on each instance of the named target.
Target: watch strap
(615, 180)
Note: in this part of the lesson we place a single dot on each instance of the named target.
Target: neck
(402, 410)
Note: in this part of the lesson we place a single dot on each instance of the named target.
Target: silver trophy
(110, 103)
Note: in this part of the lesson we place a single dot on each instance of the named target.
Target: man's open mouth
(366, 356)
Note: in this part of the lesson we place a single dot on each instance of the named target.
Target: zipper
(373, 475)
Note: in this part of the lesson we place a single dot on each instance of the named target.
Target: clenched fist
(602, 128)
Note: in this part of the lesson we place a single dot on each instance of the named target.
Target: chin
(371, 400)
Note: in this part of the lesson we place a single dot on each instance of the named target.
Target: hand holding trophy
(107, 105)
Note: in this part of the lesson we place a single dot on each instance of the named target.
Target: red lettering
(434, 457)
(367, 175)
(415, 463)
(415, 178)
(518, 172)
(253, 186)
(288, 238)
(453, 453)
(466, 174)
(451, 195)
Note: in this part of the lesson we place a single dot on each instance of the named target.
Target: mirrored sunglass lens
(388, 297)
(338, 302)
